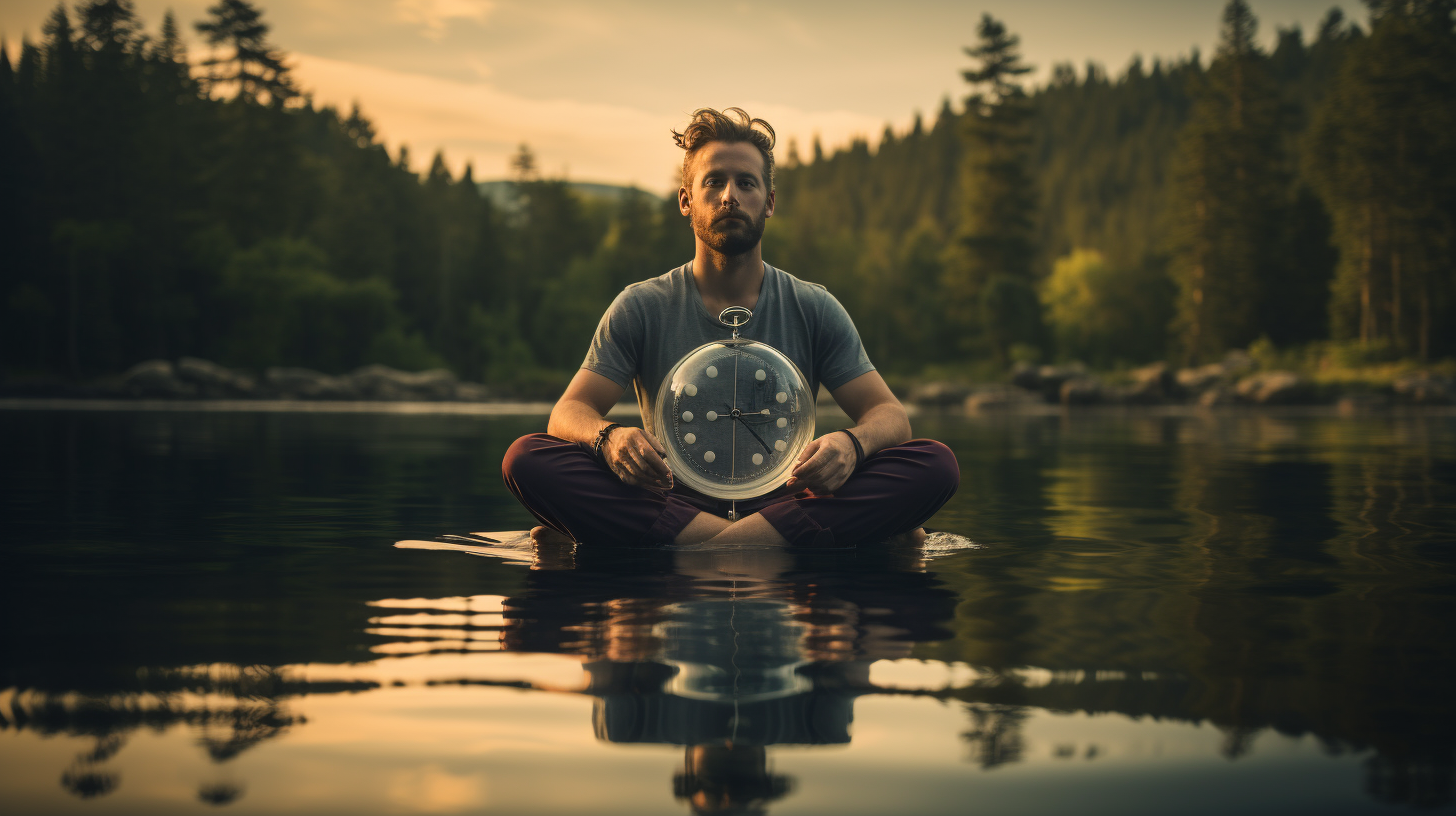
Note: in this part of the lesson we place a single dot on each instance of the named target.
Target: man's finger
(816, 463)
(649, 454)
(656, 445)
(809, 450)
(649, 466)
(653, 461)
(637, 463)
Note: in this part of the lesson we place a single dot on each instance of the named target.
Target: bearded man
(591, 480)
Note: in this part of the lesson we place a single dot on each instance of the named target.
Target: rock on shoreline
(1233, 381)
(193, 378)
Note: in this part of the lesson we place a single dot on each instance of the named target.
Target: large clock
(734, 415)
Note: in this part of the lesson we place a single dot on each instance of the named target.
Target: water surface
(1192, 614)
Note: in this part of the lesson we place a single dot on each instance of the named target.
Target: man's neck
(728, 280)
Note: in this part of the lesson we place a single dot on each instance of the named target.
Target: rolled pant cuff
(675, 517)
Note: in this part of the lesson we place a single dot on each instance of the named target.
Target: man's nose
(728, 197)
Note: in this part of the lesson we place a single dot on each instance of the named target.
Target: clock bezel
(683, 469)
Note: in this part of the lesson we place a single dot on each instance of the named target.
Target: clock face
(735, 417)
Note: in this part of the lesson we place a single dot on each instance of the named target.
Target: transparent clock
(734, 416)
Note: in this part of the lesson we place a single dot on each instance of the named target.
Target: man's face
(728, 202)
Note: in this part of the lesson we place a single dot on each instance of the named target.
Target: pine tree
(253, 66)
(1229, 191)
(998, 208)
(109, 26)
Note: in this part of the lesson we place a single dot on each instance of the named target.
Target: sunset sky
(593, 87)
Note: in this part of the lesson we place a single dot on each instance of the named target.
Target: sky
(595, 86)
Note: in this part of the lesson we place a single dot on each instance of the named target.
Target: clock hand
(746, 427)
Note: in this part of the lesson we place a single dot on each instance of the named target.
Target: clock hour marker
(760, 375)
(712, 416)
(712, 371)
(687, 416)
(782, 423)
(690, 438)
(779, 445)
(758, 458)
(709, 456)
(781, 396)
(692, 390)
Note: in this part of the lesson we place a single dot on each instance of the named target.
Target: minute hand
(750, 429)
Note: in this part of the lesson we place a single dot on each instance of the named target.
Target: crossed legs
(572, 493)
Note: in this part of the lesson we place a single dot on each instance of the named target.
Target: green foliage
(1229, 196)
(998, 201)
(153, 213)
(1010, 314)
(1105, 315)
(281, 304)
(1380, 150)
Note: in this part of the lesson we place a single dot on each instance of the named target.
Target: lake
(1160, 613)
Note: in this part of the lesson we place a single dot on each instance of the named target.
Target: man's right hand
(636, 457)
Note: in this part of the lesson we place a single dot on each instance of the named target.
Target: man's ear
(684, 201)
(772, 195)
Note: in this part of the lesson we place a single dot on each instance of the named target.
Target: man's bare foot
(548, 537)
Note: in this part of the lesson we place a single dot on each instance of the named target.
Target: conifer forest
(159, 204)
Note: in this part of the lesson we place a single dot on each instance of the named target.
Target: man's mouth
(729, 217)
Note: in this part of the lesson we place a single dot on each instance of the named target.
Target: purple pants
(571, 491)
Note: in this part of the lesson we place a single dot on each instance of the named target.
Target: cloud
(477, 122)
(434, 15)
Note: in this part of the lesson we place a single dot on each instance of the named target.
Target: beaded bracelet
(601, 439)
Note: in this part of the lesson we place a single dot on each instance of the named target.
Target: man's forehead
(728, 157)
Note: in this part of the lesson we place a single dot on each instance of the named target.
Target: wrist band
(859, 456)
(601, 439)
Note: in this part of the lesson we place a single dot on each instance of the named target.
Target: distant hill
(502, 193)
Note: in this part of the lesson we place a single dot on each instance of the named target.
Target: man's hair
(731, 125)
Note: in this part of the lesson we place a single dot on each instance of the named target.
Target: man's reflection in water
(729, 654)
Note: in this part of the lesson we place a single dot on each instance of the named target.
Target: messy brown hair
(731, 125)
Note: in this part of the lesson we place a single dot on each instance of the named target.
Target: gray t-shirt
(652, 324)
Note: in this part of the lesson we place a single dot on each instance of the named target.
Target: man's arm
(879, 420)
(631, 453)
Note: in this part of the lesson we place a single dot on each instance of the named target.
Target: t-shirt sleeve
(839, 354)
(616, 348)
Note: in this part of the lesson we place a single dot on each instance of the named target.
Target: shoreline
(629, 409)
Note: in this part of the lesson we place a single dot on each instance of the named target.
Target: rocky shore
(193, 378)
(1234, 381)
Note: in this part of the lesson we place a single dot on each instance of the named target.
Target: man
(590, 480)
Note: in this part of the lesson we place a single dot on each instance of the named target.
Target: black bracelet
(601, 439)
(858, 448)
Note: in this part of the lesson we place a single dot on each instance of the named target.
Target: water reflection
(729, 655)
(1225, 590)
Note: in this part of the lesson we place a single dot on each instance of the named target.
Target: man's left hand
(825, 465)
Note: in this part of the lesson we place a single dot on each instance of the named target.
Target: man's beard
(729, 236)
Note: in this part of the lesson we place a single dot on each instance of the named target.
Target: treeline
(153, 209)
(1175, 212)
(160, 207)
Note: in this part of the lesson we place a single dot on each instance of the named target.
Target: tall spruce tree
(253, 66)
(1229, 194)
(998, 199)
